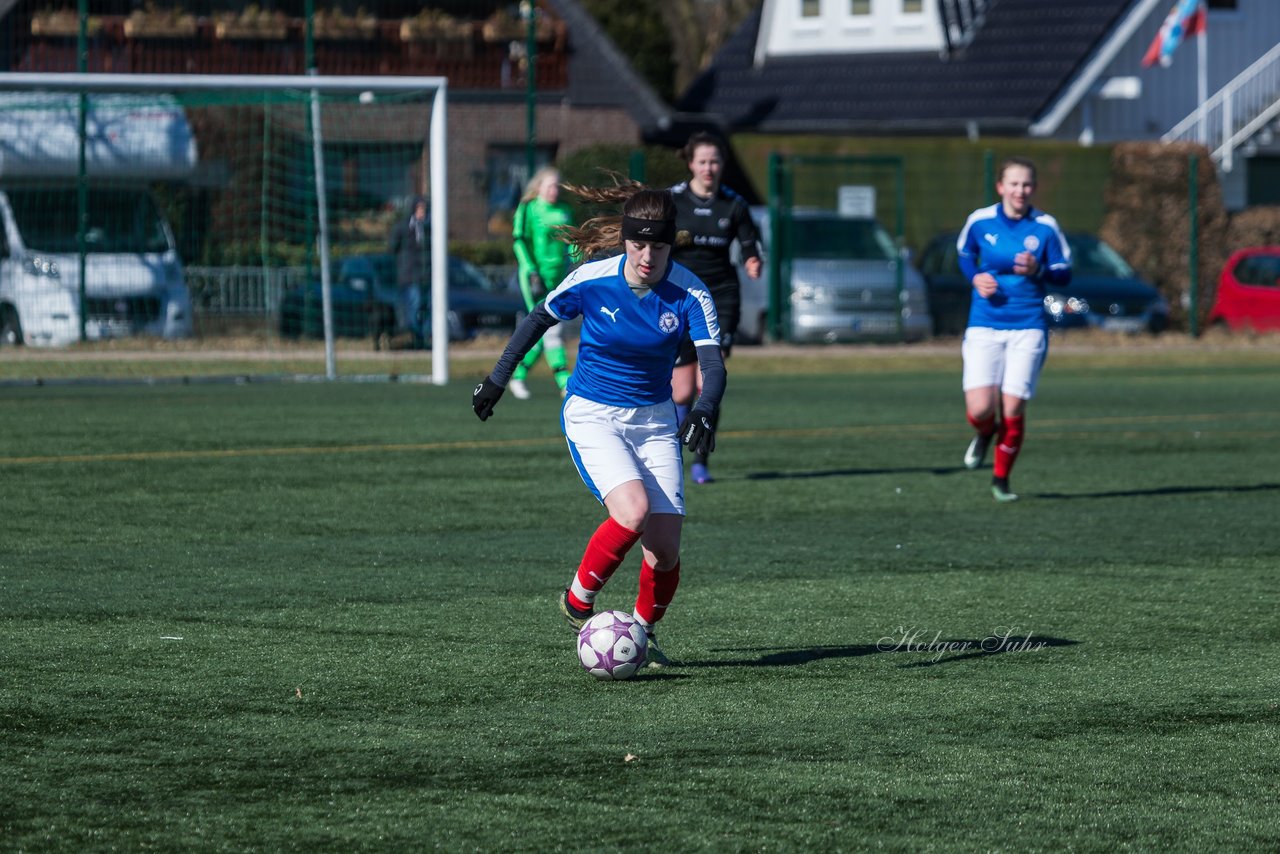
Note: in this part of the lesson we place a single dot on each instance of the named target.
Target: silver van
(843, 275)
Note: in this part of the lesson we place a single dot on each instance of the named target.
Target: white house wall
(834, 30)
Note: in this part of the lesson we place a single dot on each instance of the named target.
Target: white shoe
(519, 389)
(977, 451)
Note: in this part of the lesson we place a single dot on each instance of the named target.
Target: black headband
(650, 230)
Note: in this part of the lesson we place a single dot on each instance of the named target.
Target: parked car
(1105, 292)
(1249, 291)
(364, 299)
(843, 275)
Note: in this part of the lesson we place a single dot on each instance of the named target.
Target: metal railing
(1231, 116)
(256, 292)
(241, 292)
(960, 21)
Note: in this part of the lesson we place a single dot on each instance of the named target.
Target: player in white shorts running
(618, 416)
(1010, 252)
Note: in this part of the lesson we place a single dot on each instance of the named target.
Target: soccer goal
(179, 205)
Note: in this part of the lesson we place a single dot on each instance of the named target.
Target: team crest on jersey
(1032, 243)
(724, 222)
(668, 322)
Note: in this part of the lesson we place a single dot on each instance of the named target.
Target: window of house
(859, 7)
(506, 173)
(912, 7)
(810, 8)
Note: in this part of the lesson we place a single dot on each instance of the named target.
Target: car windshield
(840, 238)
(1091, 257)
(119, 219)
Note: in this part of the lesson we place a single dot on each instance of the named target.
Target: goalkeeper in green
(543, 262)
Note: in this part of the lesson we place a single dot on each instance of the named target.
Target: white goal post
(316, 85)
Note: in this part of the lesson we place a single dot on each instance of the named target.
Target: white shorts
(611, 445)
(1009, 358)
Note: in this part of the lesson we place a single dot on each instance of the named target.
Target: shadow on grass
(938, 651)
(801, 475)
(1163, 490)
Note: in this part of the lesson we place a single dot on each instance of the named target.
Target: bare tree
(699, 28)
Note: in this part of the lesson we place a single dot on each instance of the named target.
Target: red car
(1249, 291)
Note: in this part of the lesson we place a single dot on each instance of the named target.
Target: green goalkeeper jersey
(537, 247)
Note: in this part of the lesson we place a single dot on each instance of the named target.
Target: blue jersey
(628, 345)
(989, 242)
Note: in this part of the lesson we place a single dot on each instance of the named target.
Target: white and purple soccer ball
(612, 645)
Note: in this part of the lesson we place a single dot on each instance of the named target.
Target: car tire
(457, 331)
(290, 319)
(749, 340)
(10, 327)
(384, 328)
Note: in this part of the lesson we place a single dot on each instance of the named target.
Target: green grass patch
(300, 615)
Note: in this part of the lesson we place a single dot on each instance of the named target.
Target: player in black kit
(714, 216)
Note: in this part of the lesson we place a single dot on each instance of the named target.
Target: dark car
(1104, 292)
(1249, 291)
(364, 300)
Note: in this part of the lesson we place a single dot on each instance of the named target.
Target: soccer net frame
(366, 88)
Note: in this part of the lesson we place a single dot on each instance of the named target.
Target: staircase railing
(1236, 112)
(960, 20)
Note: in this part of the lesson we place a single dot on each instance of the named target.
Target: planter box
(268, 30)
(63, 24)
(141, 26)
(418, 30)
(345, 29)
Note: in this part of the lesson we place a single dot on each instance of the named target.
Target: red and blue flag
(1185, 19)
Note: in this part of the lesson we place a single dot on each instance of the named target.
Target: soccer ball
(612, 645)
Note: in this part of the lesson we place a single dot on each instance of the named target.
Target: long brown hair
(602, 235)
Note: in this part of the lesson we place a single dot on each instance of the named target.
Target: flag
(1185, 19)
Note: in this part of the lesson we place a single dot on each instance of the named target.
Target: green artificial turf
(272, 616)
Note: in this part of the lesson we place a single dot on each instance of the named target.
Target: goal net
(237, 205)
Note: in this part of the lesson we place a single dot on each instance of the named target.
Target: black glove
(698, 432)
(537, 287)
(485, 397)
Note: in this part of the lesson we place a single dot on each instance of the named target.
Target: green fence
(834, 239)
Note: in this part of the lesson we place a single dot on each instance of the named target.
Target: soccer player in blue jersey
(1010, 252)
(618, 416)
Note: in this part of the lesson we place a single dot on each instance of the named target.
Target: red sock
(657, 589)
(1011, 430)
(605, 552)
(984, 426)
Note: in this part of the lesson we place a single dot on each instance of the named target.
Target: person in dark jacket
(411, 246)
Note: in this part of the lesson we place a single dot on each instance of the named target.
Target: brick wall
(474, 127)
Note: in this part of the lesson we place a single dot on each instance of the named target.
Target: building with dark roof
(1058, 69)
(586, 92)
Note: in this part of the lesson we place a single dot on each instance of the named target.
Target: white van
(133, 278)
